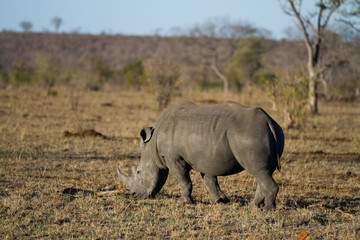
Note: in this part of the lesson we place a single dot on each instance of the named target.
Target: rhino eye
(138, 172)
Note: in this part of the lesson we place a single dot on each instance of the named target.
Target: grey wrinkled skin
(215, 140)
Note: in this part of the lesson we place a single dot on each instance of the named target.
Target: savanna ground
(40, 171)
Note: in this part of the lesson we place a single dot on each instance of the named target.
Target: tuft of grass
(319, 182)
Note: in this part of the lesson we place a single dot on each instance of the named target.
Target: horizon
(158, 17)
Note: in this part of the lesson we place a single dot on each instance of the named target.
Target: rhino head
(148, 178)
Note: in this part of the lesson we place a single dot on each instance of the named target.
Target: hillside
(73, 52)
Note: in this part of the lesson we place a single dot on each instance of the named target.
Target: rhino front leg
(212, 185)
(181, 171)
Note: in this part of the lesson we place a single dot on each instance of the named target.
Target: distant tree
(215, 29)
(350, 13)
(313, 28)
(26, 26)
(56, 21)
(341, 76)
(245, 61)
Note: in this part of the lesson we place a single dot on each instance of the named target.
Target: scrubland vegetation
(90, 61)
(72, 106)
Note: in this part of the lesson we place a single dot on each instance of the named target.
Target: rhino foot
(267, 208)
(262, 206)
(254, 205)
(187, 199)
(266, 192)
(221, 199)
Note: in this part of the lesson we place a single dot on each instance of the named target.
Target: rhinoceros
(215, 140)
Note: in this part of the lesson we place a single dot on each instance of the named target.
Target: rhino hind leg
(212, 185)
(266, 192)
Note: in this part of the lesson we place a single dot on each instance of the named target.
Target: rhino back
(200, 135)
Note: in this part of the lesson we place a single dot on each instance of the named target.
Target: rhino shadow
(242, 200)
(328, 202)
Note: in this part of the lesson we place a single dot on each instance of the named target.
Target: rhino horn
(125, 179)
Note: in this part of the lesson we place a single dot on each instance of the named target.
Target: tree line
(219, 52)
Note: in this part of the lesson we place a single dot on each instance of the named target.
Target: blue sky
(140, 17)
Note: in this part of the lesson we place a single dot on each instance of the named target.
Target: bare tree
(350, 14)
(56, 21)
(26, 26)
(313, 28)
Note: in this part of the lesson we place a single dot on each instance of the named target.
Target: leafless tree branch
(332, 10)
(302, 25)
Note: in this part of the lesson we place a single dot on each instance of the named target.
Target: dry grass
(319, 181)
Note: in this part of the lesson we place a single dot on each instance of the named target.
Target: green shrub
(212, 84)
(264, 78)
(52, 92)
(4, 79)
(21, 73)
(96, 72)
(133, 74)
(46, 71)
(102, 70)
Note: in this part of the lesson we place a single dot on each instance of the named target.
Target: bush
(102, 70)
(212, 84)
(264, 78)
(46, 71)
(21, 73)
(133, 74)
(163, 77)
(4, 79)
(96, 72)
(290, 90)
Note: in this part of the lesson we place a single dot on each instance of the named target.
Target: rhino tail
(279, 142)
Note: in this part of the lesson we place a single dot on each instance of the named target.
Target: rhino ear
(146, 134)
